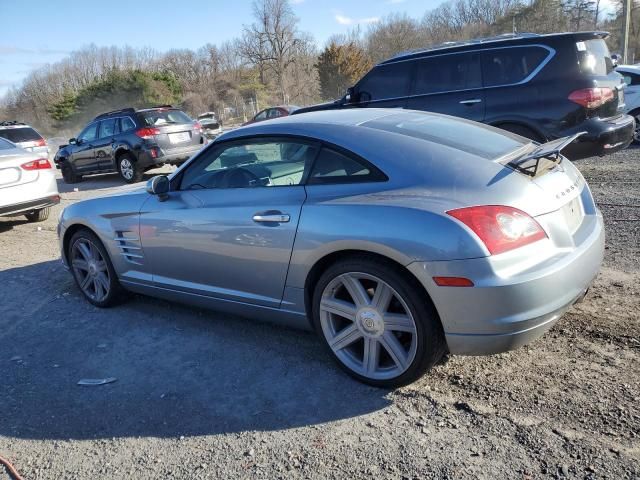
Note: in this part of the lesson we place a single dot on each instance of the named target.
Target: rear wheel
(38, 215)
(128, 169)
(636, 131)
(377, 323)
(92, 269)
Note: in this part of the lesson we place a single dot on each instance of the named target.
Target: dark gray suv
(130, 142)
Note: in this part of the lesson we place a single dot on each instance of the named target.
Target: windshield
(155, 118)
(21, 134)
(470, 137)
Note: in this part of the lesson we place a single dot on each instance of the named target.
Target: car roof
(500, 40)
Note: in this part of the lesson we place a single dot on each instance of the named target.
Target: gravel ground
(204, 395)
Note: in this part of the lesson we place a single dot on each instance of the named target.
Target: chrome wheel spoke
(395, 349)
(399, 322)
(382, 297)
(339, 307)
(103, 281)
(345, 338)
(101, 266)
(371, 355)
(355, 289)
(85, 282)
(80, 264)
(84, 251)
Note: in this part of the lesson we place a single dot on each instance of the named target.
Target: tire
(365, 344)
(128, 168)
(38, 215)
(636, 133)
(93, 271)
(523, 131)
(69, 176)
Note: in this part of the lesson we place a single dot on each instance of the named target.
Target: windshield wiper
(549, 151)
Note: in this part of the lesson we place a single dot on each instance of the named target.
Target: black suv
(539, 86)
(130, 142)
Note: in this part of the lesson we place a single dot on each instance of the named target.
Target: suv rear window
(21, 134)
(594, 57)
(155, 118)
(507, 66)
(385, 81)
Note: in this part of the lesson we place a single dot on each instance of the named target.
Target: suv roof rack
(123, 110)
(10, 123)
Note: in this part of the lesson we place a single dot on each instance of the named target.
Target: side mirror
(615, 59)
(159, 185)
(350, 96)
(73, 141)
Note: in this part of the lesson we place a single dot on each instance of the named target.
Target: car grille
(129, 244)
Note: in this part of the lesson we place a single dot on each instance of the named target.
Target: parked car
(631, 75)
(27, 183)
(272, 112)
(25, 137)
(211, 126)
(130, 142)
(396, 235)
(542, 87)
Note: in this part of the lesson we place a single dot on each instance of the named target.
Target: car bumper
(507, 309)
(30, 206)
(174, 157)
(603, 136)
(39, 193)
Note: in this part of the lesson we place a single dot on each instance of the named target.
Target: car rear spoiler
(549, 151)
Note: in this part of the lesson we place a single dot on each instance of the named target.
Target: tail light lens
(41, 143)
(147, 133)
(500, 228)
(592, 97)
(40, 164)
(197, 126)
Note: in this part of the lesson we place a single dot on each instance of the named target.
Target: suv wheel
(128, 169)
(69, 176)
(636, 131)
(376, 323)
(38, 215)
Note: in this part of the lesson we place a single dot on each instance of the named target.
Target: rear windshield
(460, 134)
(20, 134)
(157, 118)
(594, 57)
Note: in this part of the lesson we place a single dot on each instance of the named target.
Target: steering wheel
(238, 178)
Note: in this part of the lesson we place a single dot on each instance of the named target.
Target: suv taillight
(40, 164)
(500, 228)
(41, 143)
(197, 126)
(592, 97)
(147, 133)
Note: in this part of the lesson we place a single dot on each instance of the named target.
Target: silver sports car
(396, 235)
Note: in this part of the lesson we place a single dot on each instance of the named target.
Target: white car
(631, 74)
(27, 183)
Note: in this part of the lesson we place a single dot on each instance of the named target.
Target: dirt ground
(204, 395)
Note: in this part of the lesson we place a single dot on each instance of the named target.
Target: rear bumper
(603, 136)
(507, 309)
(26, 207)
(145, 160)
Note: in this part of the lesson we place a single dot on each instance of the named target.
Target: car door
(449, 84)
(83, 152)
(385, 85)
(227, 228)
(632, 90)
(102, 144)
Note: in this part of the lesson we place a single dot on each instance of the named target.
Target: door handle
(470, 102)
(271, 217)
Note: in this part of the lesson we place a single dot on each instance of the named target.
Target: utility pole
(626, 21)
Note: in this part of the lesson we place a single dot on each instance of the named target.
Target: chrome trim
(528, 78)
(470, 102)
(275, 218)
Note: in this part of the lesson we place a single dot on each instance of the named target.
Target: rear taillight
(147, 133)
(500, 228)
(197, 126)
(592, 97)
(40, 164)
(41, 143)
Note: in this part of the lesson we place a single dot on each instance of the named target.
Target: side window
(250, 164)
(385, 81)
(107, 128)
(126, 124)
(506, 66)
(261, 116)
(89, 134)
(448, 73)
(274, 113)
(631, 79)
(332, 166)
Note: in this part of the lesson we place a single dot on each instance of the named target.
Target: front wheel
(377, 323)
(636, 131)
(128, 169)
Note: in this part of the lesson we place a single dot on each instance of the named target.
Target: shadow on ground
(180, 371)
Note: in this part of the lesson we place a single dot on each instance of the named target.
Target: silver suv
(25, 137)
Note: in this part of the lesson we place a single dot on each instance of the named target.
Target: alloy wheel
(368, 325)
(90, 269)
(126, 168)
(636, 132)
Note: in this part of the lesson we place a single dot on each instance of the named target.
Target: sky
(48, 30)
